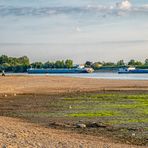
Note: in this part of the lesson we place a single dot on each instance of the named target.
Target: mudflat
(44, 111)
(15, 133)
(55, 84)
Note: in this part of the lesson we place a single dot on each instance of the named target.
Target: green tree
(138, 63)
(59, 64)
(120, 63)
(23, 60)
(146, 62)
(68, 63)
(134, 63)
(49, 65)
(12, 61)
(3, 59)
(131, 62)
(37, 65)
(110, 64)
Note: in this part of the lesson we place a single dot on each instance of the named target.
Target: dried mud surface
(15, 133)
(19, 133)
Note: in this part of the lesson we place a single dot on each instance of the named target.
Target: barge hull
(137, 71)
(52, 71)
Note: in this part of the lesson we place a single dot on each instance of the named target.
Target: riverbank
(114, 111)
(58, 84)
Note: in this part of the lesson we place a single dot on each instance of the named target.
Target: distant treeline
(119, 64)
(12, 64)
(21, 64)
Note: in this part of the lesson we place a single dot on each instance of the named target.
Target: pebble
(5, 95)
(80, 125)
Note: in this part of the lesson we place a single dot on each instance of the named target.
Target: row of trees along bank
(117, 65)
(21, 64)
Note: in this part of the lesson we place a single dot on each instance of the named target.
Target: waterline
(98, 75)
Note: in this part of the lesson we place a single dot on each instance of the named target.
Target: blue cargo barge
(56, 70)
(132, 71)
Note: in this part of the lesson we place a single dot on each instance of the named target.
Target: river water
(98, 75)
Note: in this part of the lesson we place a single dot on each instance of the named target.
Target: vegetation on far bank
(21, 64)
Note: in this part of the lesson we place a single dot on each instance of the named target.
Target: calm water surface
(99, 75)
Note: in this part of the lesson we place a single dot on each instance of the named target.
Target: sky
(95, 30)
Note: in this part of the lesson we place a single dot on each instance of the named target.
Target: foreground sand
(15, 133)
(51, 84)
(18, 133)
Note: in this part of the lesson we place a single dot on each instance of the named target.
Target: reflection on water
(99, 75)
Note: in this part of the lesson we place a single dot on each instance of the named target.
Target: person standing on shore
(3, 73)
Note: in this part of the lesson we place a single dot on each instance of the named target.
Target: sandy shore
(54, 84)
(15, 133)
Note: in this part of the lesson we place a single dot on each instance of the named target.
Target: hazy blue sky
(96, 30)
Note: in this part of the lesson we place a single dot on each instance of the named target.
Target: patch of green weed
(94, 114)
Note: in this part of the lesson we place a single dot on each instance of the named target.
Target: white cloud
(124, 5)
(116, 9)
